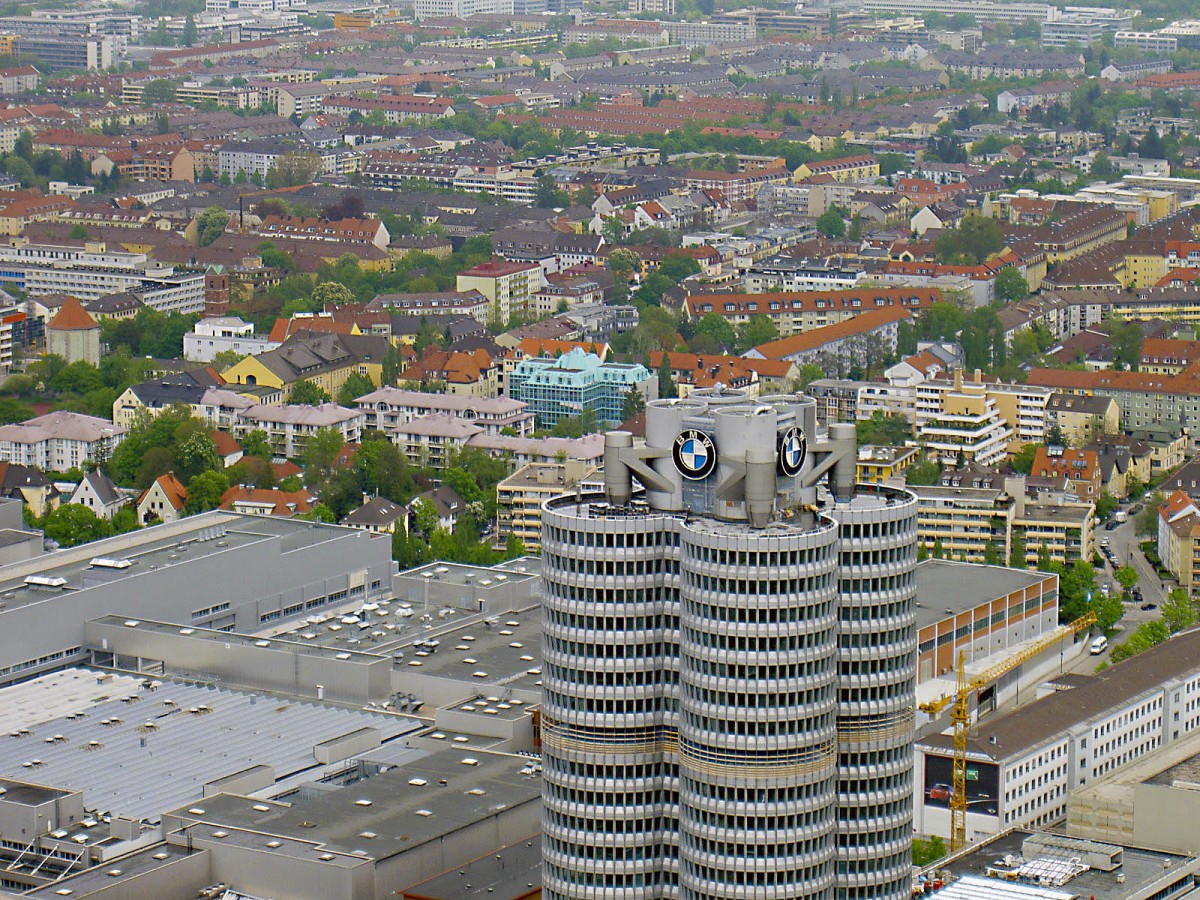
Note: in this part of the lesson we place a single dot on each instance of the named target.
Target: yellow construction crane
(960, 715)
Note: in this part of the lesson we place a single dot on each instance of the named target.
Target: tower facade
(729, 665)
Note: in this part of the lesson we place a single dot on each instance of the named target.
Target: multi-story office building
(94, 271)
(729, 668)
(555, 389)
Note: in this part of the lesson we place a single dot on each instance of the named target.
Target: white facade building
(389, 407)
(94, 271)
(59, 441)
(221, 334)
(1030, 759)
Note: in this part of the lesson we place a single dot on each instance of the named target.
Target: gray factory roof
(98, 879)
(509, 872)
(506, 647)
(385, 814)
(128, 555)
(1141, 868)
(61, 694)
(142, 752)
(946, 588)
(1013, 734)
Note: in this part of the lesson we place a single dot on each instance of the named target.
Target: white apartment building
(94, 271)
(1030, 759)
(960, 420)
(59, 441)
(390, 407)
(221, 334)
(290, 426)
(461, 9)
(1020, 410)
(881, 397)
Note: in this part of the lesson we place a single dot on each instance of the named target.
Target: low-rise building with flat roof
(1022, 765)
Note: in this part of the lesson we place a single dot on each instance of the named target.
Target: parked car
(1111, 525)
(939, 792)
(1149, 606)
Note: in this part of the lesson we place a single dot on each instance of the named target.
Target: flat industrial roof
(151, 548)
(946, 588)
(1141, 868)
(144, 751)
(507, 872)
(97, 879)
(1014, 733)
(386, 813)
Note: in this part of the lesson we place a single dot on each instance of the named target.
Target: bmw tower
(729, 669)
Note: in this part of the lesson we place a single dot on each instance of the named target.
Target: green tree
(1127, 577)
(976, 239)
(1109, 611)
(884, 430)
(189, 30)
(1103, 168)
(195, 454)
(1022, 461)
(1106, 505)
(321, 452)
(926, 852)
(633, 403)
(211, 224)
(205, 491)
(1147, 520)
(716, 332)
(1125, 338)
(13, 410)
(666, 384)
(831, 224)
(125, 520)
(755, 332)
(1011, 285)
(1145, 636)
(158, 92)
(72, 524)
(1016, 556)
(292, 169)
(257, 443)
(355, 386)
(923, 472)
(332, 294)
(306, 393)
(1178, 612)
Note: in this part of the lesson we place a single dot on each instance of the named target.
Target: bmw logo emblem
(793, 450)
(695, 454)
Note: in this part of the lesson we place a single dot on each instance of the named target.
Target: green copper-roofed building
(565, 386)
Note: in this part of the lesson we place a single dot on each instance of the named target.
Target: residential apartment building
(95, 271)
(737, 187)
(960, 421)
(510, 287)
(978, 523)
(1080, 467)
(390, 407)
(289, 427)
(1146, 401)
(1028, 760)
(1179, 539)
(794, 312)
(847, 168)
(222, 334)
(878, 464)
(1080, 419)
(1022, 408)
(59, 441)
(520, 496)
(326, 360)
(558, 388)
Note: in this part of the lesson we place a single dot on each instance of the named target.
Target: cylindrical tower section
(877, 693)
(758, 698)
(609, 701)
(664, 421)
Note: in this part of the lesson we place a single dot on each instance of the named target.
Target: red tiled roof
(71, 316)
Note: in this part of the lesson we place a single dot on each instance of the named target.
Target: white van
(1099, 645)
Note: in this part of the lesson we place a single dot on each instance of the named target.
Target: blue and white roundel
(793, 449)
(695, 454)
